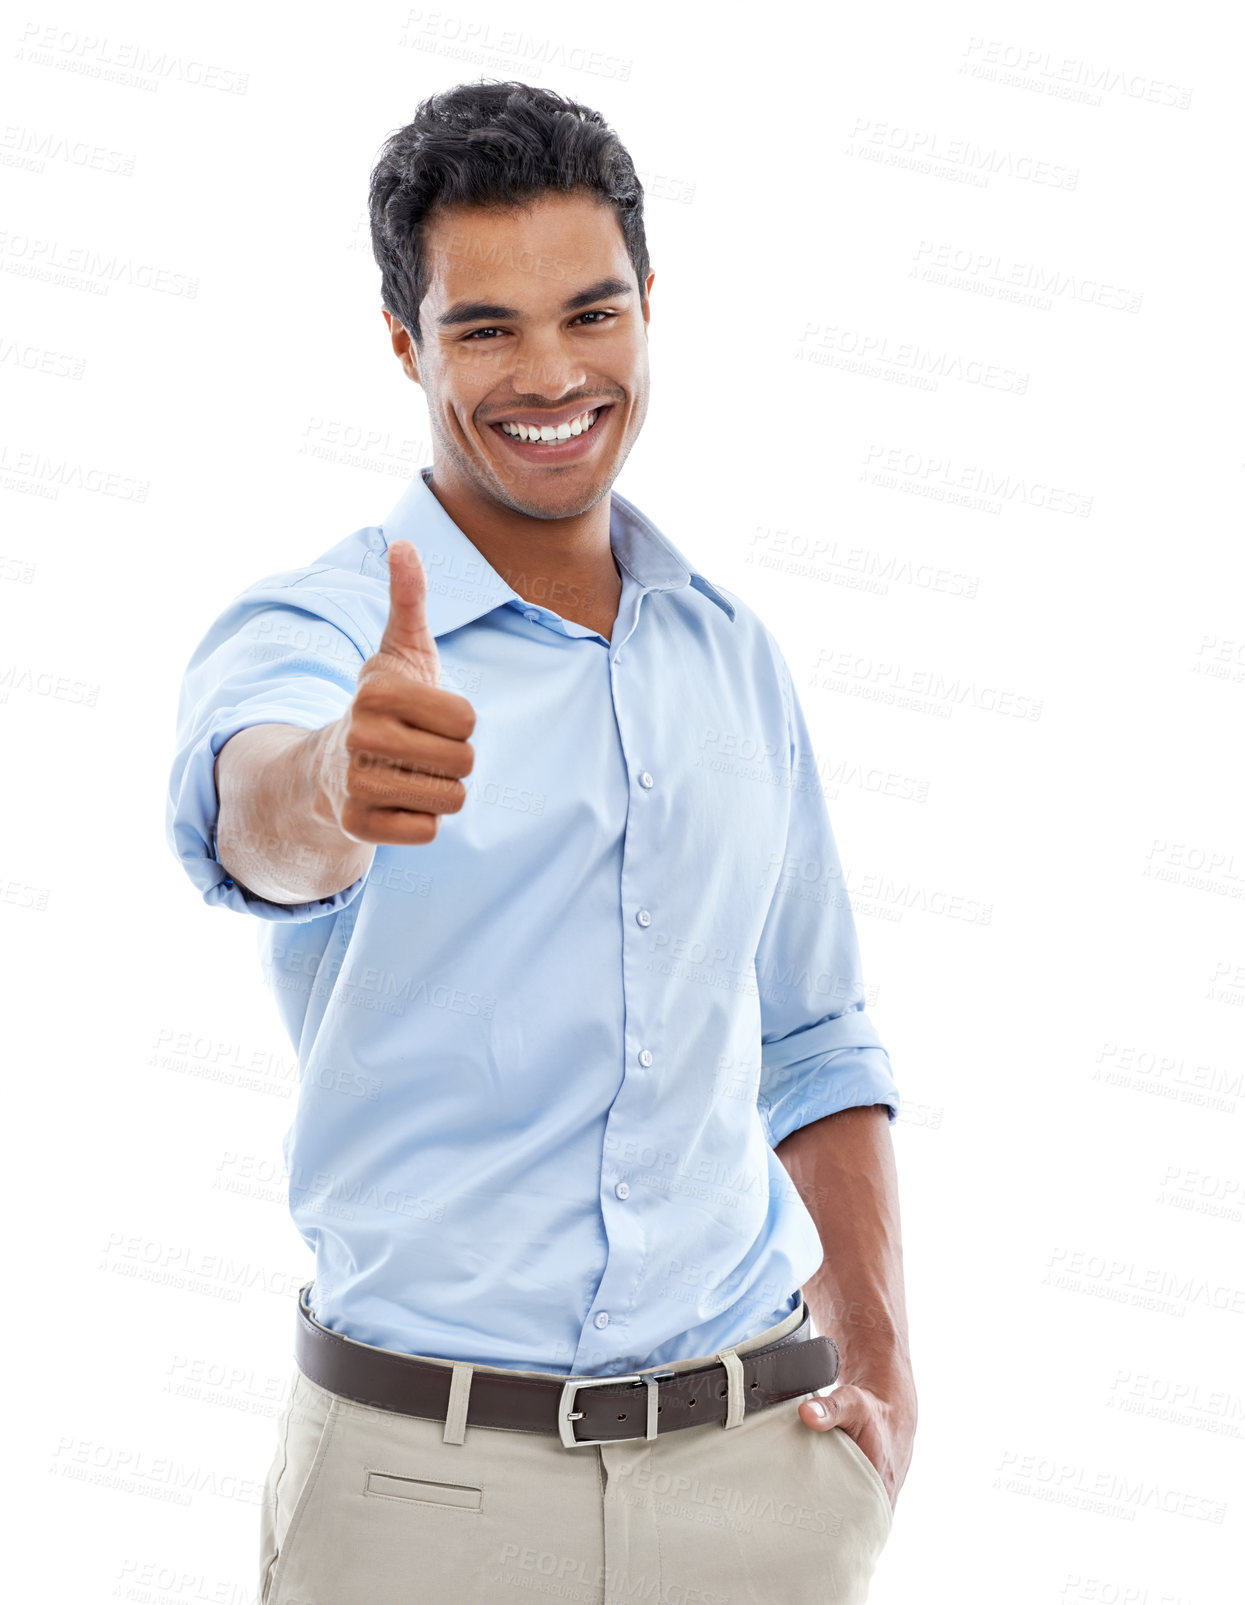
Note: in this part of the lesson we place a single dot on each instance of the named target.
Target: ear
(648, 290)
(403, 345)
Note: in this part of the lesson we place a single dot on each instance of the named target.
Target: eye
(492, 328)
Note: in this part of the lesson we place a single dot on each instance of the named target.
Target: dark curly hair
(490, 143)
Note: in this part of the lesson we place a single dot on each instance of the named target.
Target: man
(552, 909)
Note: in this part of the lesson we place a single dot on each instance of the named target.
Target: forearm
(275, 833)
(843, 1166)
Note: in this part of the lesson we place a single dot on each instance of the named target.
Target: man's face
(501, 345)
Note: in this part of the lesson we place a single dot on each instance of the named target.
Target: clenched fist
(395, 761)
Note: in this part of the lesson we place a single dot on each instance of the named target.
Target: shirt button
(645, 1057)
(646, 780)
(643, 917)
(622, 1190)
(532, 616)
(601, 1320)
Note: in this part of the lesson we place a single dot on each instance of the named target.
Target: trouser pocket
(306, 1429)
(869, 1471)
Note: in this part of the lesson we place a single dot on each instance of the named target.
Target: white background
(946, 356)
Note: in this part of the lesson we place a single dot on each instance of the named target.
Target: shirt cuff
(845, 1078)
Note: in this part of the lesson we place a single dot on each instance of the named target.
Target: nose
(548, 368)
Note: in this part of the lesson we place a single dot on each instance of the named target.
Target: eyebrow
(477, 311)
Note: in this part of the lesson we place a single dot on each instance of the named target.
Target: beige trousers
(367, 1507)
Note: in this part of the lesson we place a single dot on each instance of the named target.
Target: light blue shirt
(544, 1059)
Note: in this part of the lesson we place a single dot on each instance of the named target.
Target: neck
(565, 564)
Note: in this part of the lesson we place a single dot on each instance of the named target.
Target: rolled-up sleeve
(280, 656)
(820, 1052)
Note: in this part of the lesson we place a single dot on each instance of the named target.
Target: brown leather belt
(578, 1409)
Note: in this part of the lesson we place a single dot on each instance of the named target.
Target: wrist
(873, 1347)
(322, 760)
(338, 858)
(885, 1372)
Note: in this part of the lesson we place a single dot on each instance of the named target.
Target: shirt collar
(463, 585)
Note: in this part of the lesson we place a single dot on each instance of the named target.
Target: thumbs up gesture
(396, 759)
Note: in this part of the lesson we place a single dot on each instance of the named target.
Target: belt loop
(456, 1411)
(734, 1386)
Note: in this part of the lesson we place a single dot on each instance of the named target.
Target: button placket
(635, 860)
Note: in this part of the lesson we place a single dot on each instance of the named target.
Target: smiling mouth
(536, 435)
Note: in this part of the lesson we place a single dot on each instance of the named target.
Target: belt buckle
(571, 1387)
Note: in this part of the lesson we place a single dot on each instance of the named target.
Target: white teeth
(577, 426)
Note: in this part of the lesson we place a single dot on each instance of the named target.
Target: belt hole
(754, 1384)
(622, 1418)
(690, 1402)
(722, 1395)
